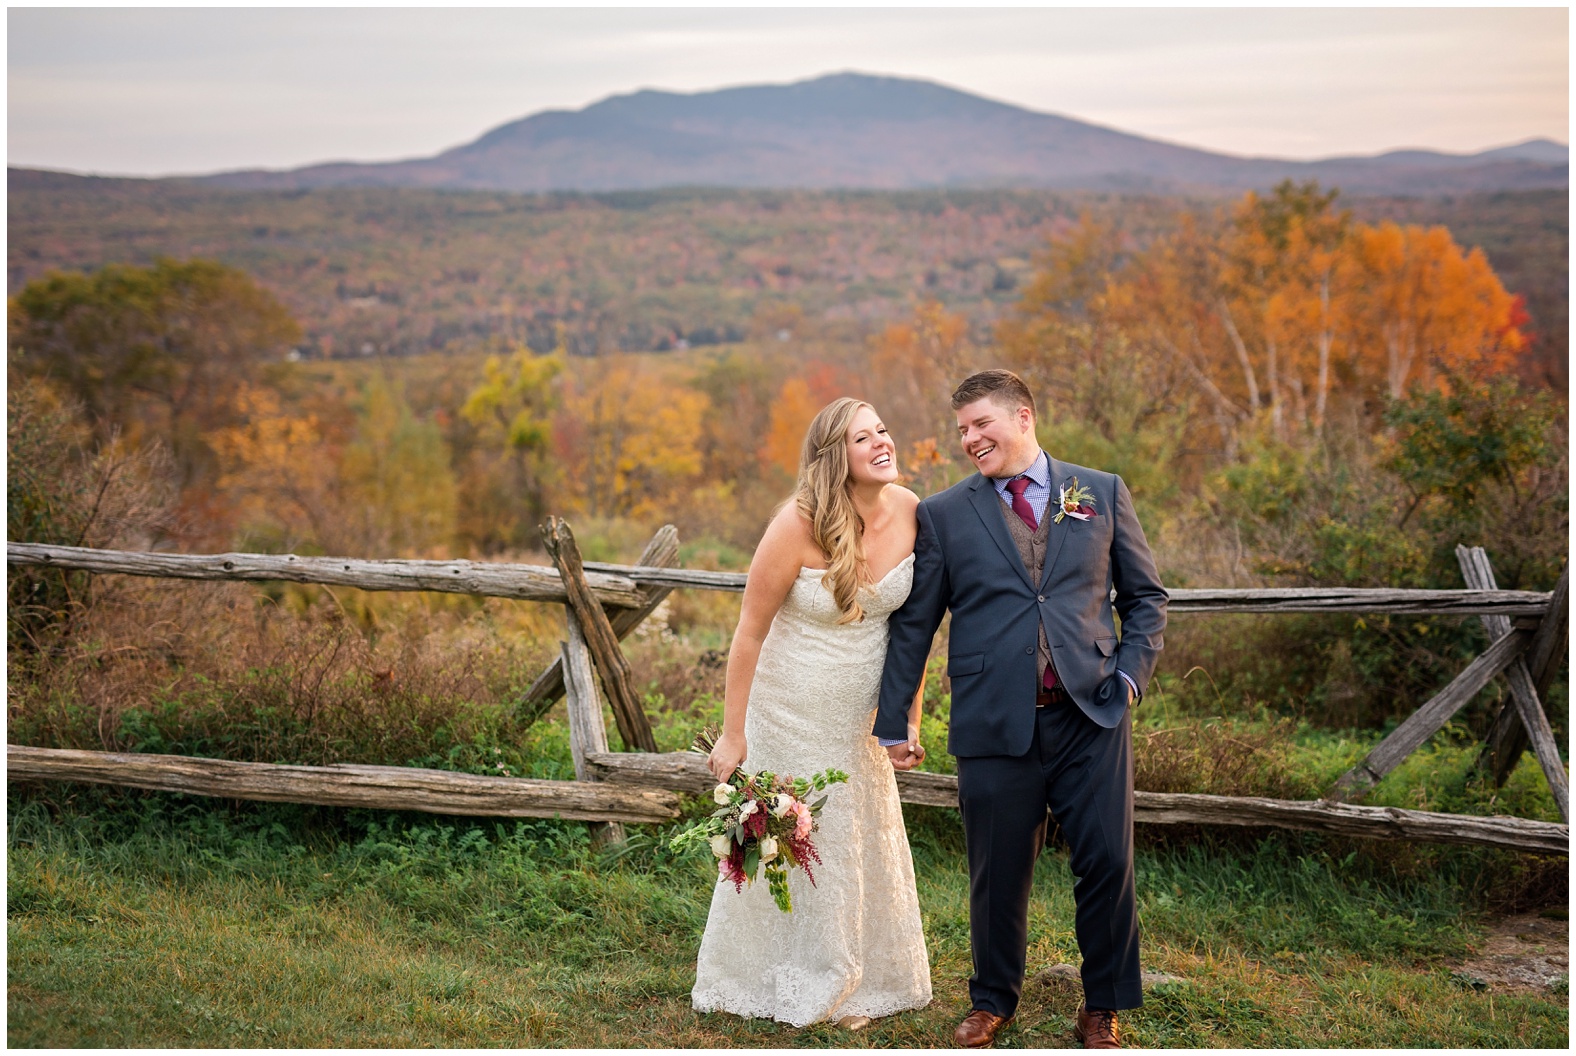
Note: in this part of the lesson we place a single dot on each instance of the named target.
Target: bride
(803, 673)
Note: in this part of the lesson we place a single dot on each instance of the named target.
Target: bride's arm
(773, 570)
(915, 710)
(906, 756)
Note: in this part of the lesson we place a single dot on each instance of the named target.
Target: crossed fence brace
(1529, 659)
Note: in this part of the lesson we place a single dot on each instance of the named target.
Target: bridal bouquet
(763, 822)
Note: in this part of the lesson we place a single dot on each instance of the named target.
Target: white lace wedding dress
(853, 945)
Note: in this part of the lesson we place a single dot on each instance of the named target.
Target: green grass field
(142, 919)
(160, 920)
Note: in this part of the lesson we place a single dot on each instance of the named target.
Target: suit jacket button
(1029, 650)
(1040, 598)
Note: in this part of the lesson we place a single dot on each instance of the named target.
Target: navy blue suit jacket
(965, 561)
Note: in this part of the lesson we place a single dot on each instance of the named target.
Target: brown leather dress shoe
(1096, 1029)
(979, 1030)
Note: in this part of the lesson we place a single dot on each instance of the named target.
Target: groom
(1026, 554)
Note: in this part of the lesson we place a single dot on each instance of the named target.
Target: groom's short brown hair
(1002, 386)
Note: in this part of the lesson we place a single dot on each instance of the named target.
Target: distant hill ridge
(852, 130)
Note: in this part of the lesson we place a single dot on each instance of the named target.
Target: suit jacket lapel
(1058, 532)
(989, 506)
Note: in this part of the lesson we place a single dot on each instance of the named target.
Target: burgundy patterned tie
(1020, 505)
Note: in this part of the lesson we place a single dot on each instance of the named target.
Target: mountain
(851, 130)
(1544, 150)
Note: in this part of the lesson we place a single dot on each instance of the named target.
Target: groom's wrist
(887, 742)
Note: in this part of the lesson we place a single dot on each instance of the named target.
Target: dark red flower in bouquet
(732, 868)
(804, 851)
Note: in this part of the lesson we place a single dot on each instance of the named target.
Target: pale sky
(142, 91)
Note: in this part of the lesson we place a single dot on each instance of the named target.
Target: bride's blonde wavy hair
(823, 495)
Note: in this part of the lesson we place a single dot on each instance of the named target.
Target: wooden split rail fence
(604, 603)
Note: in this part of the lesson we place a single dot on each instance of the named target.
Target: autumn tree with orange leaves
(1270, 315)
(1420, 309)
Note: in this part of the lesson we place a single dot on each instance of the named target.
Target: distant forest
(1298, 389)
(396, 272)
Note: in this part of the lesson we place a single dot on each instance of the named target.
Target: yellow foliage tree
(628, 436)
(280, 474)
(504, 489)
(397, 477)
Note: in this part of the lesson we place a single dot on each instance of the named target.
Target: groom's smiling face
(999, 441)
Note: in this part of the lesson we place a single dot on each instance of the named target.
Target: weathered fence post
(617, 680)
(587, 735)
(1507, 653)
(1553, 635)
(1525, 702)
(1508, 738)
(1430, 718)
(661, 552)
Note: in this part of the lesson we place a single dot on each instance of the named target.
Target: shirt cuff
(1130, 684)
(887, 742)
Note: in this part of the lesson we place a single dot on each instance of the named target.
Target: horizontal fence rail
(621, 586)
(346, 785)
(1361, 599)
(488, 579)
(640, 787)
(1271, 599)
(686, 772)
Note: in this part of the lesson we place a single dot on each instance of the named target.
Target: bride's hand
(726, 756)
(909, 754)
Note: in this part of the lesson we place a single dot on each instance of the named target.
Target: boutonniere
(1075, 500)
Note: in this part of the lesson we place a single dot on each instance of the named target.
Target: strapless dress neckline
(863, 586)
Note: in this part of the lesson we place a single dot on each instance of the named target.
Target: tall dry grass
(281, 675)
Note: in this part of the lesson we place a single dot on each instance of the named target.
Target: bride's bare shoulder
(789, 522)
(902, 497)
(788, 538)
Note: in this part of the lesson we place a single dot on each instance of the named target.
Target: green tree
(397, 476)
(150, 352)
(1485, 465)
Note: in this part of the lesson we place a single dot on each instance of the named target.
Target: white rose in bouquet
(721, 845)
(768, 848)
(722, 793)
